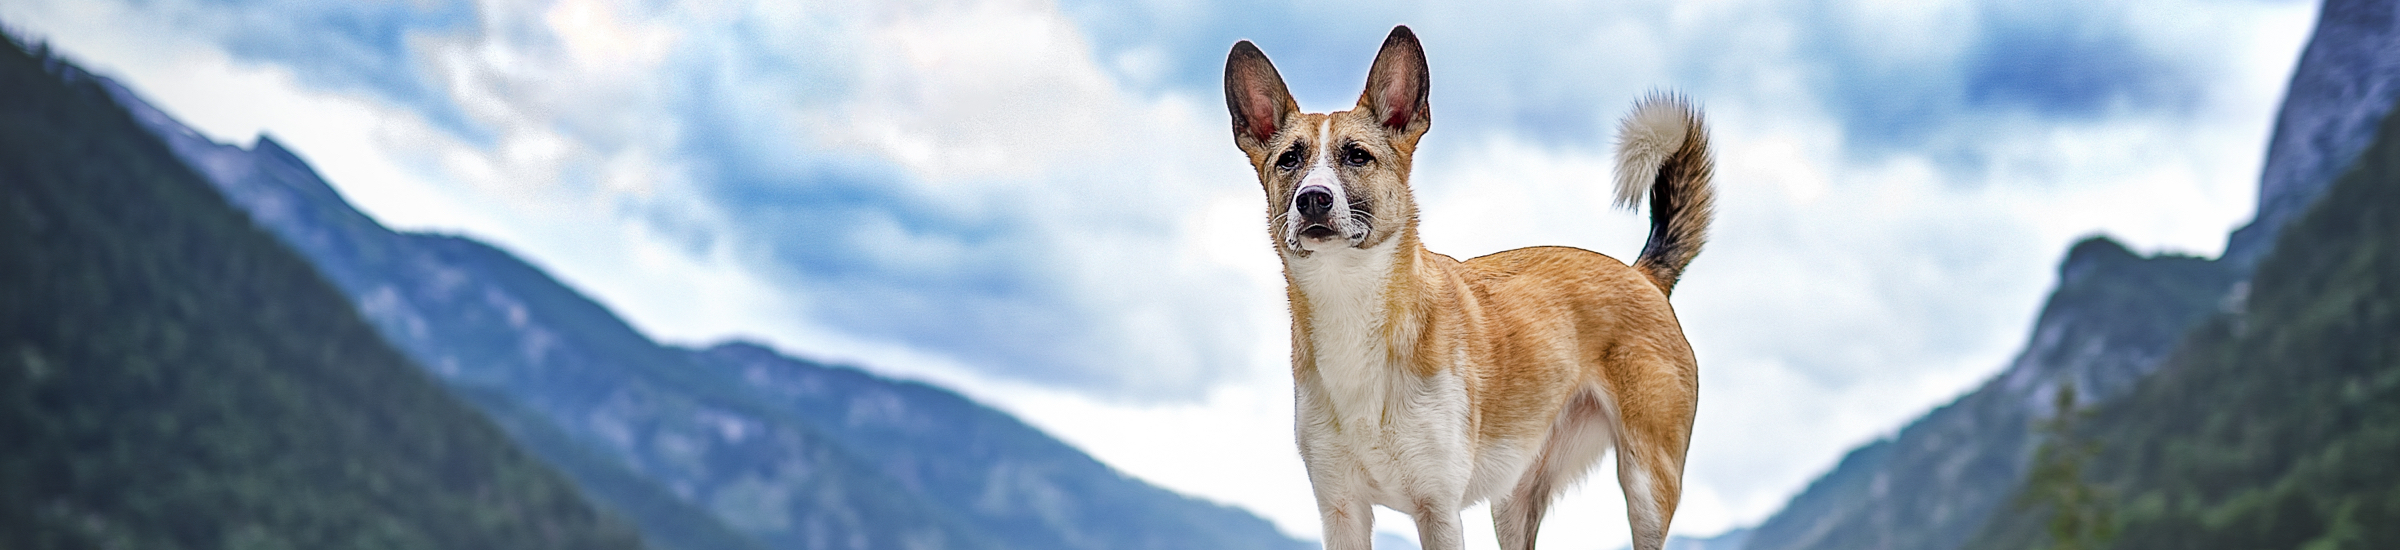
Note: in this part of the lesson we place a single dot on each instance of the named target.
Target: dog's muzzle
(1319, 212)
(1315, 206)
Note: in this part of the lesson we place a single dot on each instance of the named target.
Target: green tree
(2082, 517)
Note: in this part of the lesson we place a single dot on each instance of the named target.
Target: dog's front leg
(1349, 520)
(1438, 528)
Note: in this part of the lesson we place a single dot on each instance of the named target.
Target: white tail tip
(1654, 130)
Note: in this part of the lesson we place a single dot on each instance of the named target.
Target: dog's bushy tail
(1662, 152)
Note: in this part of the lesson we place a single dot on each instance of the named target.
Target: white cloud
(1084, 172)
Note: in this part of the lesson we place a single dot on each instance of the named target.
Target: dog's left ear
(1255, 94)
(1397, 86)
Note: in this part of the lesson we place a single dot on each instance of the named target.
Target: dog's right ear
(1255, 94)
(1397, 86)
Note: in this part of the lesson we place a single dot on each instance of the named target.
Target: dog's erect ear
(1397, 85)
(1255, 94)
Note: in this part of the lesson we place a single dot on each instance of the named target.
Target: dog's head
(1333, 180)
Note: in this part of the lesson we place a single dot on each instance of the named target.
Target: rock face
(2347, 79)
(733, 447)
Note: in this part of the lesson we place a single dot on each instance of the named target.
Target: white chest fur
(1365, 412)
(1345, 291)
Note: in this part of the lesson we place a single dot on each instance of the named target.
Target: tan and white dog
(1426, 384)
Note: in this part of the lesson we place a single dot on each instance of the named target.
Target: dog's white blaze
(1324, 142)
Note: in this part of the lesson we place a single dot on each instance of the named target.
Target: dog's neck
(1359, 309)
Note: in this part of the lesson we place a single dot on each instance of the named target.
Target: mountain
(700, 454)
(2273, 425)
(463, 310)
(1012, 480)
(173, 377)
(2113, 316)
(2347, 79)
(2107, 326)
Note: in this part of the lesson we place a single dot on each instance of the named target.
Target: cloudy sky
(1039, 203)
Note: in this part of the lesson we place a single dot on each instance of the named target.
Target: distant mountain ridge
(699, 454)
(173, 377)
(1014, 481)
(2113, 318)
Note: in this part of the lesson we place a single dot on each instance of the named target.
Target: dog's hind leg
(1581, 434)
(1650, 453)
(1650, 498)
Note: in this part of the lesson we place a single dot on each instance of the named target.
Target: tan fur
(1426, 384)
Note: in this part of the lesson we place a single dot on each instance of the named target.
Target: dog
(1425, 384)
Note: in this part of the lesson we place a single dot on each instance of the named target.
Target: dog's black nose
(1315, 202)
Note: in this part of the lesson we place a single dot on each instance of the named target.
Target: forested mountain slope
(2276, 425)
(173, 377)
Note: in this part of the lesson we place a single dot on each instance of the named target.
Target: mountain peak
(268, 147)
(2089, 255)
(742, 347)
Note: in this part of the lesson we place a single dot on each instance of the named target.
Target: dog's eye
(1356, 156)
(1289, 160)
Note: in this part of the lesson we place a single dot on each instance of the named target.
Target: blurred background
(990, 274)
